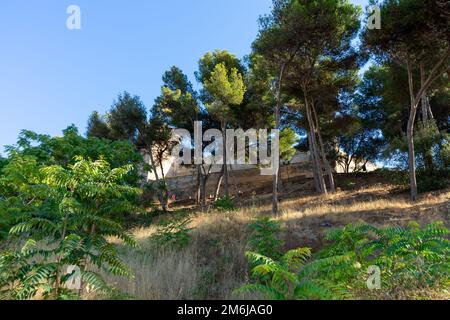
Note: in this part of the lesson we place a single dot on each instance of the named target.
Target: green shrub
(427, 181)
(264, 238)
(173, 233)
(225, 204)
(64, 216)
(288, 278)
(433, 181)
(411, 257)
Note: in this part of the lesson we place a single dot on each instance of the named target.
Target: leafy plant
(411, 257)
(263, 238)
(66, 223)
(173, 233)
(284, 280)
(408, 257)
(225, 204)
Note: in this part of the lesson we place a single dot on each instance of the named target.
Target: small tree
(65, 217)
(226, 89)
(128, 121)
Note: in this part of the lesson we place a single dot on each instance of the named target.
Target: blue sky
(51, 77)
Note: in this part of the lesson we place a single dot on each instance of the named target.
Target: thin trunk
(313, 146)
(321, 188)
(86, 261)
(410, 137)
(219, 183)
(225, 162)
(162, 170)
(203, 193)
(158, 181)
(424, 96)
(322, 151)
(275, 176)
(203, 181)
(280, 181)
(58, 270)
(199, 182)
(428, 154)
(165, 192)
(314, 168)
(430, 112)
(153, 164)
(233, 177)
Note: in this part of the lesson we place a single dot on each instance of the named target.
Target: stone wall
(247, 181)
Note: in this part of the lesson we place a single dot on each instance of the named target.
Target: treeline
(303, 76)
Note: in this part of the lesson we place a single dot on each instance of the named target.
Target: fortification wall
(246, 181)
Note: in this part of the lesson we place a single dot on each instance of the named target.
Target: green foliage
(177, 105)
(288, 139)
(66, 216)
(433, 181)
(3, 162)
(129, 121)
(410, 257)
(97, 126)
(264, 238)
(227, 88)
(19, 188)
(210, 60)
(284, 279)
(63, 150)
(225, 204)
(427, 181)
(173, 233)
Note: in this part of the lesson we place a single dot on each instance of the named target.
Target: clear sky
(51, 77)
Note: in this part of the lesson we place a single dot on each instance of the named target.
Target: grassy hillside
(213, 264)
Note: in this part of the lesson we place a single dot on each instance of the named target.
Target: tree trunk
(280, 181)
(275, 175)
(162, 171)
(314, 167)
(225, 162)
(158, 182)
(219, 182)
(424, 100)
(199, 182)
(427, 154)
(204, 176)
(412, 161)
(317, 166)
(203, 193)
(410, 137)
(322, 151)
(313, 147)
(233, 177)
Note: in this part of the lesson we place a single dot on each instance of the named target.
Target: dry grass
(211, 267)
(213, 264)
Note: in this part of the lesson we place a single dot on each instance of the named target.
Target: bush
(64, 216)
(263, 238)
(426, 181)
(225, 204)
(411, 257)
(289, 278)
(433, 181)
(173, 233)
